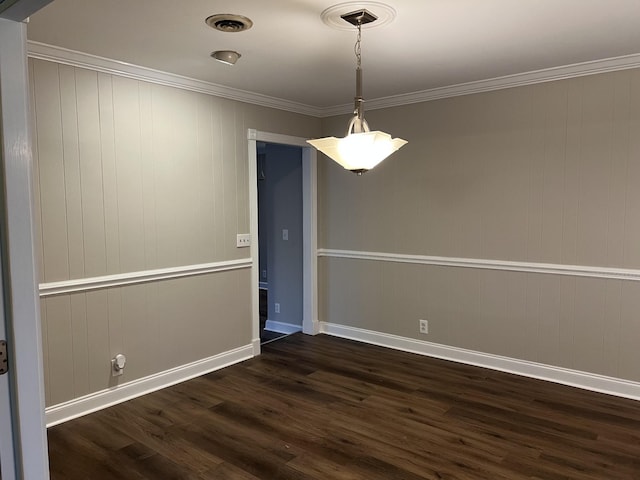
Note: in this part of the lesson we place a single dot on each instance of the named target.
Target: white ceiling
(291, 54)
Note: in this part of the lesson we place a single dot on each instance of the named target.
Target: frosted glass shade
(359, 152)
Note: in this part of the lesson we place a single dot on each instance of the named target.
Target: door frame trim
(20, 289)
(310, 324)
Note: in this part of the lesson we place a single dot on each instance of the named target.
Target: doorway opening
(279, 184)
(308, 278)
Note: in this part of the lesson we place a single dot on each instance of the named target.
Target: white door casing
(310, 324)
(25, 440)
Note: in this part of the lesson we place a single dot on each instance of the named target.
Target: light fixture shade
(359, 152)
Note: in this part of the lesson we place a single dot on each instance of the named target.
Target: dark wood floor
(324, 408)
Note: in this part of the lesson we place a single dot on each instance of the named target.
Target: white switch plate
(285, 234)
(243, 240)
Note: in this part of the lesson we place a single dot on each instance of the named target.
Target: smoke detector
(229, 23)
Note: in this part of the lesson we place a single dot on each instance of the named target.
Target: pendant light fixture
(361, 149)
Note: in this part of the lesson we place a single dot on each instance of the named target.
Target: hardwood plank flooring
(319, 408)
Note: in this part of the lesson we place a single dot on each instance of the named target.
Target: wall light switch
(243, 240)
(285, 234)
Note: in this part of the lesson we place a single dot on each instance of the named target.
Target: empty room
(320, 240)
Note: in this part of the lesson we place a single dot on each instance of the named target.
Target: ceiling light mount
(229, 23)
(359, 17)
(334, 16)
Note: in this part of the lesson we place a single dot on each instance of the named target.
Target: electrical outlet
(277, 307)
(264, 274)
(285, 234)
(243, 240)
(424, 326)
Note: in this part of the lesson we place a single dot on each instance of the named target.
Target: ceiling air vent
(226, 22)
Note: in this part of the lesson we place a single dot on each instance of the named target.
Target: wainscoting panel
(141, 189)
(579, 323)
(159, 326)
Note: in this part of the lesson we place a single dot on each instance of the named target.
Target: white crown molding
(575, 378)
(526, 267)
(130, 278)
(605, 65)
(106, 398)
(74, 58)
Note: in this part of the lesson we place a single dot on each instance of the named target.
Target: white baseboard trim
(565, 376)
(93, 402)
(314, 328)
(282, 327)
(256, 346)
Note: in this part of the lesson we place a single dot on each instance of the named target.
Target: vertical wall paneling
(60, 339)
(55, 264)
(612, 323)
(45, 353)
(545, 173)
(163, 136)
(229, 176)
(98, 340)
(632, 198)
(131, 177)
(242, 173)
(137, 332)
(115, 321)
(80, 347)
(185, 155)
(205, 177)
(548, 341)
(128, 174)
(594, 170)
(93, 195)
(109, 172)
(629, 353)
(70, 148)
(553, 162)
(571, 185)
(618, 161)
(218, 180)
(147, 170)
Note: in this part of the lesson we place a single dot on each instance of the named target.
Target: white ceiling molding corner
(83, 60)
(74, 58)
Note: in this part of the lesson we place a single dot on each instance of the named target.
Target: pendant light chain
(359, 124)
(358, 47)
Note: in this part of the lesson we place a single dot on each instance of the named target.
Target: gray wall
(281, 203)
(546, 173)
(132, 177)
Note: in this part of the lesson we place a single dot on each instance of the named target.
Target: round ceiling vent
(226, 22)
(332, 16)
